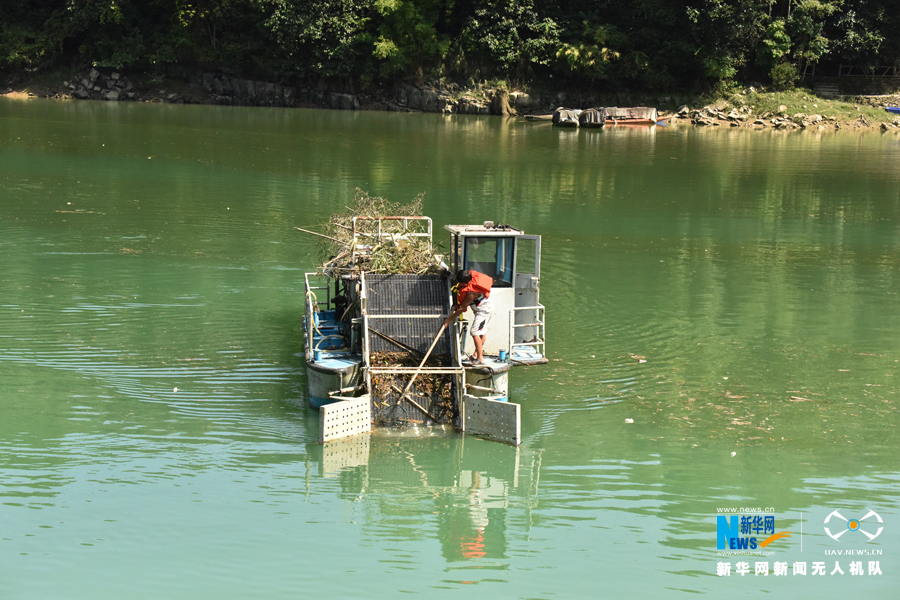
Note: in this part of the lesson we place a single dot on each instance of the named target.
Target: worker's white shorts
(483, 313)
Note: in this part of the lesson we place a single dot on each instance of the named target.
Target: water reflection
(480, 491)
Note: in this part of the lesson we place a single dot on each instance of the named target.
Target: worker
(474, 289)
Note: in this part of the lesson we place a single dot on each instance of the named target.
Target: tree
(776, 44)
(727, 32)
(589, 56)
(859, 38)
(408, 38)
(511, 35)
(806, 26)
(320, 37)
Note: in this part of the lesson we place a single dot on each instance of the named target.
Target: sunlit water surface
(722, 319)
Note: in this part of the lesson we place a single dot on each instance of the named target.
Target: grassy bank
(845, 111)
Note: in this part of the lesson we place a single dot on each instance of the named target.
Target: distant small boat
(592, 118)
(566, 117)
(638, 115)
(893, 109)
(598, 117)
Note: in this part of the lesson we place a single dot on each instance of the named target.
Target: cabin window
(526, 256)
(492, 256)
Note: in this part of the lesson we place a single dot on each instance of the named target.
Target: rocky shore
(478, 99)
(744, 116)
(210, 88)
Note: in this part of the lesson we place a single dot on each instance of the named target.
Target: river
(723, 328)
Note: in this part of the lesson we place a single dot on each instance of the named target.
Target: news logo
(746, 532)
(853, 525)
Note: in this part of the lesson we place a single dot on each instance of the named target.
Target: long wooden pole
(427, 354)
(319, 234)
(415, 353)
(417, 405)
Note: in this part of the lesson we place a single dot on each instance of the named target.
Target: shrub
(784, 76)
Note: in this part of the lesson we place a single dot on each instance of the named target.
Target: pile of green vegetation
(645, 45)
(369, 237)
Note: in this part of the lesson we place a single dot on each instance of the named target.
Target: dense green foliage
(650, 44)
(783, 76)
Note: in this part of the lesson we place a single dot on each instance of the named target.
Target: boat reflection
(474, 487)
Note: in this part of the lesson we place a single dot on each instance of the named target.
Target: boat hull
(638, 115)
(329, 375)
(618, 122)
(490, 381)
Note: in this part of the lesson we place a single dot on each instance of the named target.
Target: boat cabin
(513, 260)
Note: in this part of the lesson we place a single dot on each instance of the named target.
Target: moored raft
(637, 115)
(592, 118)
(602, 116)
(566, 117)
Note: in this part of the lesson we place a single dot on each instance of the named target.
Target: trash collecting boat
(375, 346)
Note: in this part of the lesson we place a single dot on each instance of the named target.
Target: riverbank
(798, 109)
(751, 107)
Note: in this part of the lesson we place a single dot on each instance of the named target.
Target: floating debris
(431, 393)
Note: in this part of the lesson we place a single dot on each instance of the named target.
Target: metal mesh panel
(393, 295)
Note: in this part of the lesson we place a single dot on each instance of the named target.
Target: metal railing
(380, 233)
(539, 341)
(872, 72)
(405, 231)
(313, 283)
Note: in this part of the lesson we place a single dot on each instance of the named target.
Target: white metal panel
(348, 416)
(501, 421)
(528, 270)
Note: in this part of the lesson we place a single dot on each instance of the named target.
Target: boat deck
(528, 355)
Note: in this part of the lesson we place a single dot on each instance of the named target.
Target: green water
(722, 319)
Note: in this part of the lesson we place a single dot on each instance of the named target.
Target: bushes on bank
(653, 44)
(784, 76)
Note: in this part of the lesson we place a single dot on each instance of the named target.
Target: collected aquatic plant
(431, 395)
(373, 236)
